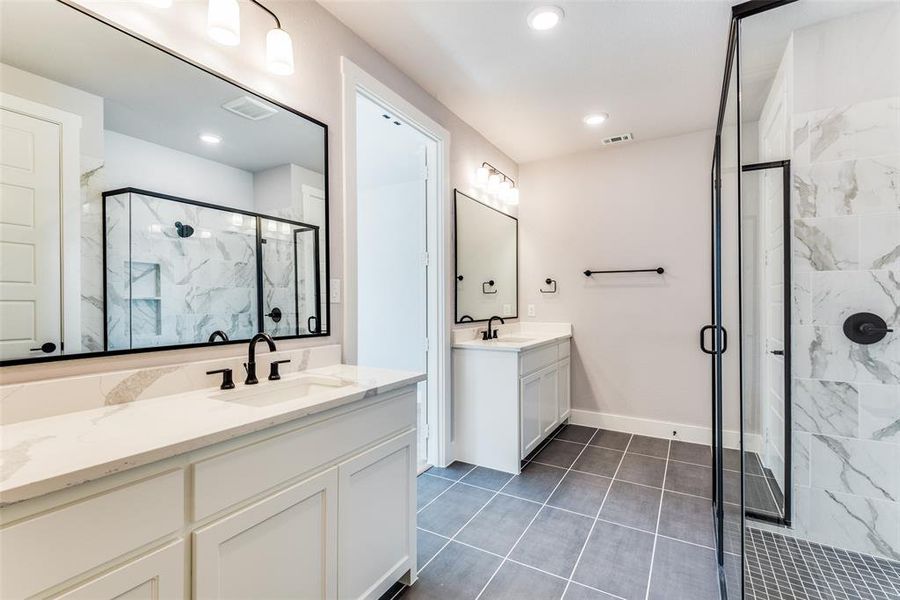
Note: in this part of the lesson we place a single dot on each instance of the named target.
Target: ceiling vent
(249, 108)
(618, 139)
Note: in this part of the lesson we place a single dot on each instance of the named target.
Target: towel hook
(549, 281)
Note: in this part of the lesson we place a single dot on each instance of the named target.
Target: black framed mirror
(148, 203)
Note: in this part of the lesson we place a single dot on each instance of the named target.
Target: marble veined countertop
(48, 454)
(515, 337)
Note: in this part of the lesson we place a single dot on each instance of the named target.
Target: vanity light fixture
(545, 17)
(279, 47)
(210, 138)
(223, 22)
(497, 183)
(595, 119)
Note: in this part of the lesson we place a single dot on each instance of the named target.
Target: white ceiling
(655, 67)
(147, 93)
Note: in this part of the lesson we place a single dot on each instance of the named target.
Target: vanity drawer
(60, 544)
(565, 349)
(534, 360)
(225, 480)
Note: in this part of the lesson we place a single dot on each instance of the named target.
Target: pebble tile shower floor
(595, 514)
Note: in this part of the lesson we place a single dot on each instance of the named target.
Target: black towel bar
(659, 270)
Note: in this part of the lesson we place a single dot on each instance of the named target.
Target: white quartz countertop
(45, 455)
(513, 338)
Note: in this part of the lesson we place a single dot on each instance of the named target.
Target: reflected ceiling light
(223, 22)
(595, 119)
(545, 17)
(210, 138)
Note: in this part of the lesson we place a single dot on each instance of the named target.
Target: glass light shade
(279, 52)
(481, 175)
(512, 197)
(223, 22)
(493, 183)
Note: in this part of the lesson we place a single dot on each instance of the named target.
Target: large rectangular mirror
(487, 261)
(145, 202)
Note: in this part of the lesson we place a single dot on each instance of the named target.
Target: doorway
(395, 262)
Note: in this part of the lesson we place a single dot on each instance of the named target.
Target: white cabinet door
(549, 400)
(155, 576)
(377, 518)
(284, 546)
(530, 406)
(565, 399)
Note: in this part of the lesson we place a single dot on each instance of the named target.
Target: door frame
(357, 81)
(69, 211)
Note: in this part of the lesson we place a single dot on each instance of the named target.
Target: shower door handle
(703, 338)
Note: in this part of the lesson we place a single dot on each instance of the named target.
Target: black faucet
(250, 365)
(218, 333)
(487, 335)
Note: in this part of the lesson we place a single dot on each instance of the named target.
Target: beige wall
(315, 89)
(635, 336)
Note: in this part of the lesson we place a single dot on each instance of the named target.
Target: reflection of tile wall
(846, 231)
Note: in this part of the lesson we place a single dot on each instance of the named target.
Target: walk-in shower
(805, 280)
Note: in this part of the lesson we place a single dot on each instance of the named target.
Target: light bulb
(493, 183)
(279, 52)
(545, 17)
(512, 197)
(223, 22)
(595, 119)
(481, 176)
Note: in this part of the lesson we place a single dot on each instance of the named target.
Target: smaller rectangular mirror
(487, 261)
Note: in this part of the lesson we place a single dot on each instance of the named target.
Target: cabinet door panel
(530, 398)
(284, 546)
(549, 400)
(377, 530)
(565, 398)
(156, 576)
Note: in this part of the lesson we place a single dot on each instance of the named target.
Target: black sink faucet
(250, 365)
(489, 334)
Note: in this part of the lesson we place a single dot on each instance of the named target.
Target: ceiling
(655, 67)
(150, 95)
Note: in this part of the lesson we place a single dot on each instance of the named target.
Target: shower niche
(178, 271)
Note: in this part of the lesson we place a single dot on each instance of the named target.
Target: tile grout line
(534, 518)
(599, 510)
(662, 494)
(429, 503)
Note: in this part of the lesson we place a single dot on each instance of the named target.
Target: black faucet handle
(274, 375)
(227, 379)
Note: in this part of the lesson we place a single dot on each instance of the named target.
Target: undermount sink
(276, 392)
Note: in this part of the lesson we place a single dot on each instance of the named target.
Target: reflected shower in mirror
(206, 203)
(486, 261)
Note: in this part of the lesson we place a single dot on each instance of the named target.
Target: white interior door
(30, 204)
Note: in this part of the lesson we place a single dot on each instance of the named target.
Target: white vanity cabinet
(322, 507)
(508, 400)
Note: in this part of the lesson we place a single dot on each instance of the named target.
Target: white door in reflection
(392, 201)
(30, 202)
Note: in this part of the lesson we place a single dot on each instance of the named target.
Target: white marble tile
(802, 513)
(855, 523)
(829, 407)
(800, 457)
(880, 242)
(850, 187)
(858, 467)
(826, 244)
(802, 298)
(800, 135)
(826, 353)
(879, 412)
(838, 294)
(856, 131)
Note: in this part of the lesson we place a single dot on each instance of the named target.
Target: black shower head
(184, 230)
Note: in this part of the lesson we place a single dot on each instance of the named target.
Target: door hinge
(426, 344)
(425, 258)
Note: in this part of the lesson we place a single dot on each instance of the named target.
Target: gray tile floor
(786, 568)
(594, 514)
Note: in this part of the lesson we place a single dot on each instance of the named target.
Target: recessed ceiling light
(210, 138)
(595, 119)
(545, 17)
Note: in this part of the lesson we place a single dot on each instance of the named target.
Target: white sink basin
(275, 392)
(512, 339)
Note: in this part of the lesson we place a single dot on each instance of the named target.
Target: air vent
(618, 139)
(249, 108)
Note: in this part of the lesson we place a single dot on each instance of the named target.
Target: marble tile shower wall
(164, 289)
(846, 257)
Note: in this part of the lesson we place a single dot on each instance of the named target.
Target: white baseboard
(660, 429)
